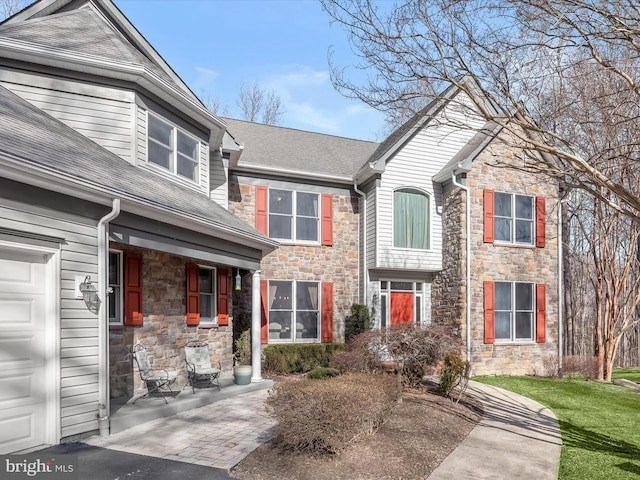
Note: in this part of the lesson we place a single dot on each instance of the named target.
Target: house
(428, 226)
(114, 229)
(128, 211)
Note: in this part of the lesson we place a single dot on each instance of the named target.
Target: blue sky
(217, 46)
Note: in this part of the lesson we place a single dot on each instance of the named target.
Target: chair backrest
(198, 355)
(142, 359)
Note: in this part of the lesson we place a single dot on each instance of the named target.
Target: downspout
(103, 327)
(560, 285)
(365, 270)
(467, 219)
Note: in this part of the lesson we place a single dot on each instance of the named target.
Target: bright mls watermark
(50, 467)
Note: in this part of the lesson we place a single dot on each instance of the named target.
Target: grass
(598, 421)
(632, 374)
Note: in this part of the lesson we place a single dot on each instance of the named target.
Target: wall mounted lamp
(90, 295)
(238, 280)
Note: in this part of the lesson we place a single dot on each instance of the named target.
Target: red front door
(401, 307)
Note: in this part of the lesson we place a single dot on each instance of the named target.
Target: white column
(256, 361)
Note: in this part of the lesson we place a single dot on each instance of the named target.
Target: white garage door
(22, 351)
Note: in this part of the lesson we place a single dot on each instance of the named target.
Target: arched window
(410, 219)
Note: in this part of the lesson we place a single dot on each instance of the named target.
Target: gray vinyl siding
(414, 167)
(219, 185)
(78, 326)
(106, 121)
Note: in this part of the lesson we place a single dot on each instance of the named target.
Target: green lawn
(632, 374)
(600, 423)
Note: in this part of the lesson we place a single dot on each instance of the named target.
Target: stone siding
(337, 263)
(495, 262)
(164, 331)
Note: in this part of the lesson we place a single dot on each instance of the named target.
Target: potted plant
(242, 359)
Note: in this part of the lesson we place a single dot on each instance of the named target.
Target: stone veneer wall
(494, 262)
(164, 331)
(448, 288)
(337, 263)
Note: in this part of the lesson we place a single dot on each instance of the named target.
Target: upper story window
(294, 215)
(172, 149)
(410, 219)
(289, 215)
(513, 218)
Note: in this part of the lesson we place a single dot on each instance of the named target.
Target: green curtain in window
(411, 219)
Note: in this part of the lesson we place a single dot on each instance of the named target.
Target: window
(172, 149)
(510, 218)
(514, 311)
(207, 295)
(294, 216)
(514, 218)
(114, 307)
(294, 313)
(410, 219)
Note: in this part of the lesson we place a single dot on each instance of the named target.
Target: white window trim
(294, 310)
(210, 321)
(513, 339)
(174, 161)
(294, 199)
(430, 220)
(513, 221)
(120, 315)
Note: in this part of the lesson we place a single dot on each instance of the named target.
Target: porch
(125, 414)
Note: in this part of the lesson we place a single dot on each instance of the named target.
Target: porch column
(256, 362)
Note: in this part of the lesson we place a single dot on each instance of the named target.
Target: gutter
(560, 285)
(103, 327)
(468, 262)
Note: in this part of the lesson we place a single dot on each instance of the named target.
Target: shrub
(455, 373)
(299, 357)
(358, 357)
(360, 320)
(322, 372)
(323, 416)
(576, 365)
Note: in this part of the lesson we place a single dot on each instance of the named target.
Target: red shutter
(132, 289)
(541, 222)
(193, 294)
(327, 312)
(541, 313)
(223, 297)
(264, 311)
(327, 219)
(488, 216)
(262, 215)
(489, 313)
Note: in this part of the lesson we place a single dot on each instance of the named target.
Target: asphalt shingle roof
(43, 142)
(297, 150)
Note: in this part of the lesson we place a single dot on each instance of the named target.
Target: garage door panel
(20, 310)
(21, 389)
(21, 352)
(21, 276)
(21, 428)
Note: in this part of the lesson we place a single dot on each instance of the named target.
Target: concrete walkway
(516, 438)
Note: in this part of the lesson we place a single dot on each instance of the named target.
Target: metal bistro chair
(155, 379)
(199, 366)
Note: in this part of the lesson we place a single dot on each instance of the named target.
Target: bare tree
(560, 77)
(517, 51)
(259, 105)
(10, 7)
(213, 104)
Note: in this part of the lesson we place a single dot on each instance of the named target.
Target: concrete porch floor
(125, 414)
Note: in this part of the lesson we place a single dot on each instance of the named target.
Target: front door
(22, 350)
(401, 308)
